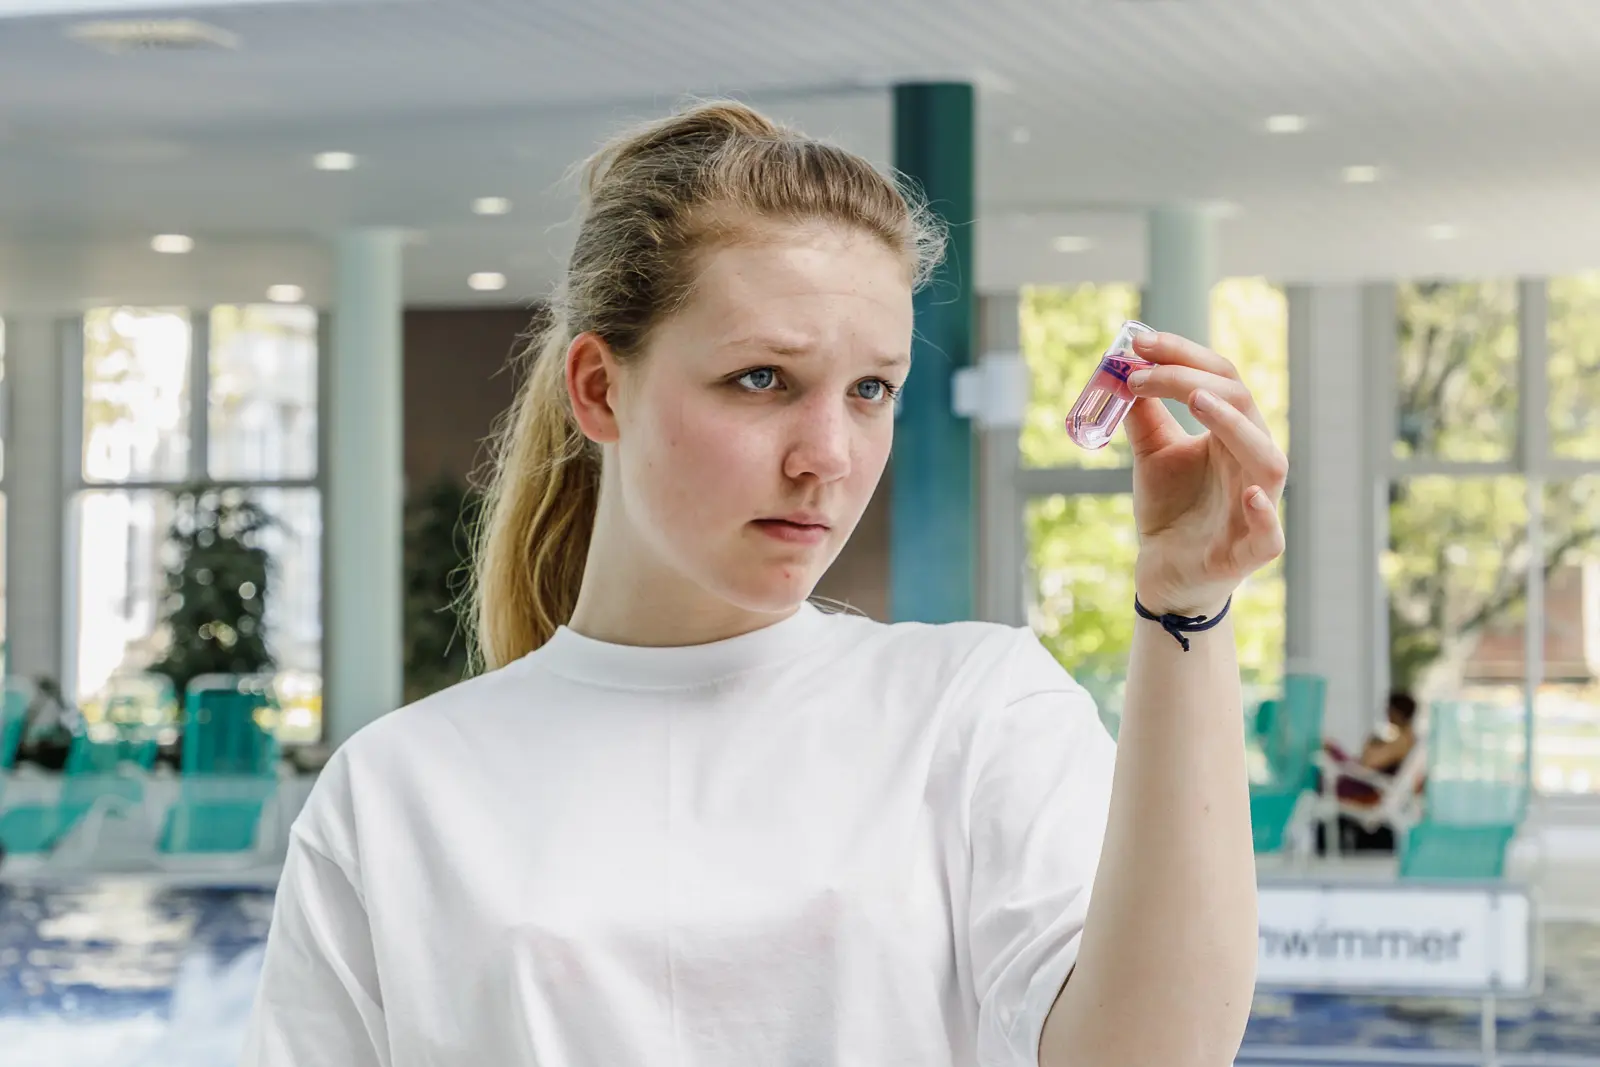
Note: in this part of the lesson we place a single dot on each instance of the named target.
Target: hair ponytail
(538, 511)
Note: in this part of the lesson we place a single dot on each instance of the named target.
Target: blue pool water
(127, 973)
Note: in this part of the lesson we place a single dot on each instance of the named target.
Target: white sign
(1397, 938)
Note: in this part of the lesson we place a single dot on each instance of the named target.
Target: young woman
(685, 817)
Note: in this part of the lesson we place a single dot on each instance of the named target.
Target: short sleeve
(1040, 792)
(318, 1003)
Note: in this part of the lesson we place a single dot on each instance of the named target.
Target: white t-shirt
(827, 843)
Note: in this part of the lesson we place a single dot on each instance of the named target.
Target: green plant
(438, 522)
(213, 610)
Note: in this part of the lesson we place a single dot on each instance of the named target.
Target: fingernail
(1145, 340)
(1137, 379)
(1204, 401)
(1260, 500)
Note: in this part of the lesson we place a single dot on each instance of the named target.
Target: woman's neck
(635, 617)
(629, 597)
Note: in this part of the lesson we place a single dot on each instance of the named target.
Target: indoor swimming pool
(131, 972)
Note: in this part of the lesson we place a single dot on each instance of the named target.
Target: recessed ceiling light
(285, 294)
(1442, 231)
(334, 161)
(1071, 243)
(1021, 135)
(487, 281)
(1361, 174)
(491, 205)
(149, 35)
(1286, 123)
(173, 244)
(994, 82)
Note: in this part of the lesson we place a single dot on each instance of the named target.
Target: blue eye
(761, 379)
(876, 390)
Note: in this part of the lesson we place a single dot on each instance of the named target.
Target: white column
(1333, 521)
(362, 671)
(35, 483)
(1182, 269)
(1002, 541)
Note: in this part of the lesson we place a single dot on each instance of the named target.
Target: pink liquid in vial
(1106, 401)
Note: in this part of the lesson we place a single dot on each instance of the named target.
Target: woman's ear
(593, 375)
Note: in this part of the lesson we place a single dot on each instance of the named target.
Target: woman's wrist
(1189, 605)
(1181, 625)
(1165, 589)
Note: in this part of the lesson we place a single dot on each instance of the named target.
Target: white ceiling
(1484, 114)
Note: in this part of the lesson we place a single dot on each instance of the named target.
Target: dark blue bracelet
(1178, 625)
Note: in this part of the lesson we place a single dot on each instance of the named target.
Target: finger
(1265, 542)
(1180, 383)
(1169, 348)
(1151, 427)
(1263, 461)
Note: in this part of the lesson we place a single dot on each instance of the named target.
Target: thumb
(1151, 427)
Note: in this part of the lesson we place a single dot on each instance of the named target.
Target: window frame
(1530, 459)
(197, 472)
(1009, 486)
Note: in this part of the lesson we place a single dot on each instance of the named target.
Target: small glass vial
(1105, 401)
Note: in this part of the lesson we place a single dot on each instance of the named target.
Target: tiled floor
(124, 973)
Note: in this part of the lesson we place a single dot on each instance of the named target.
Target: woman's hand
(1206, 505)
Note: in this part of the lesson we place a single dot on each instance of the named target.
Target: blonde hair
(654, 201)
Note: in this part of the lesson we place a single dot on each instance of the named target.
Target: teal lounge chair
(1289, 733)
(140, 701)
(230, 772)
(1476, 793)
(13, 723)
(104, 776)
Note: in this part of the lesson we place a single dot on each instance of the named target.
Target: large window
(1082, 549)
(1457, 371)
(262, 413)
(225, 401)
(1495, 508)
(1081, 539)
(1574, 367)
(1456, 571)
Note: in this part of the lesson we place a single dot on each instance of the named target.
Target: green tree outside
(1574, 366)
(1458, 555)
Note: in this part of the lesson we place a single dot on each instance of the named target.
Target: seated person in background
(1383, 752)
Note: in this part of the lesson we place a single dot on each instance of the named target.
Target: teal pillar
(932, 529)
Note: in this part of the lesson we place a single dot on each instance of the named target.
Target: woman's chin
(773, 591)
